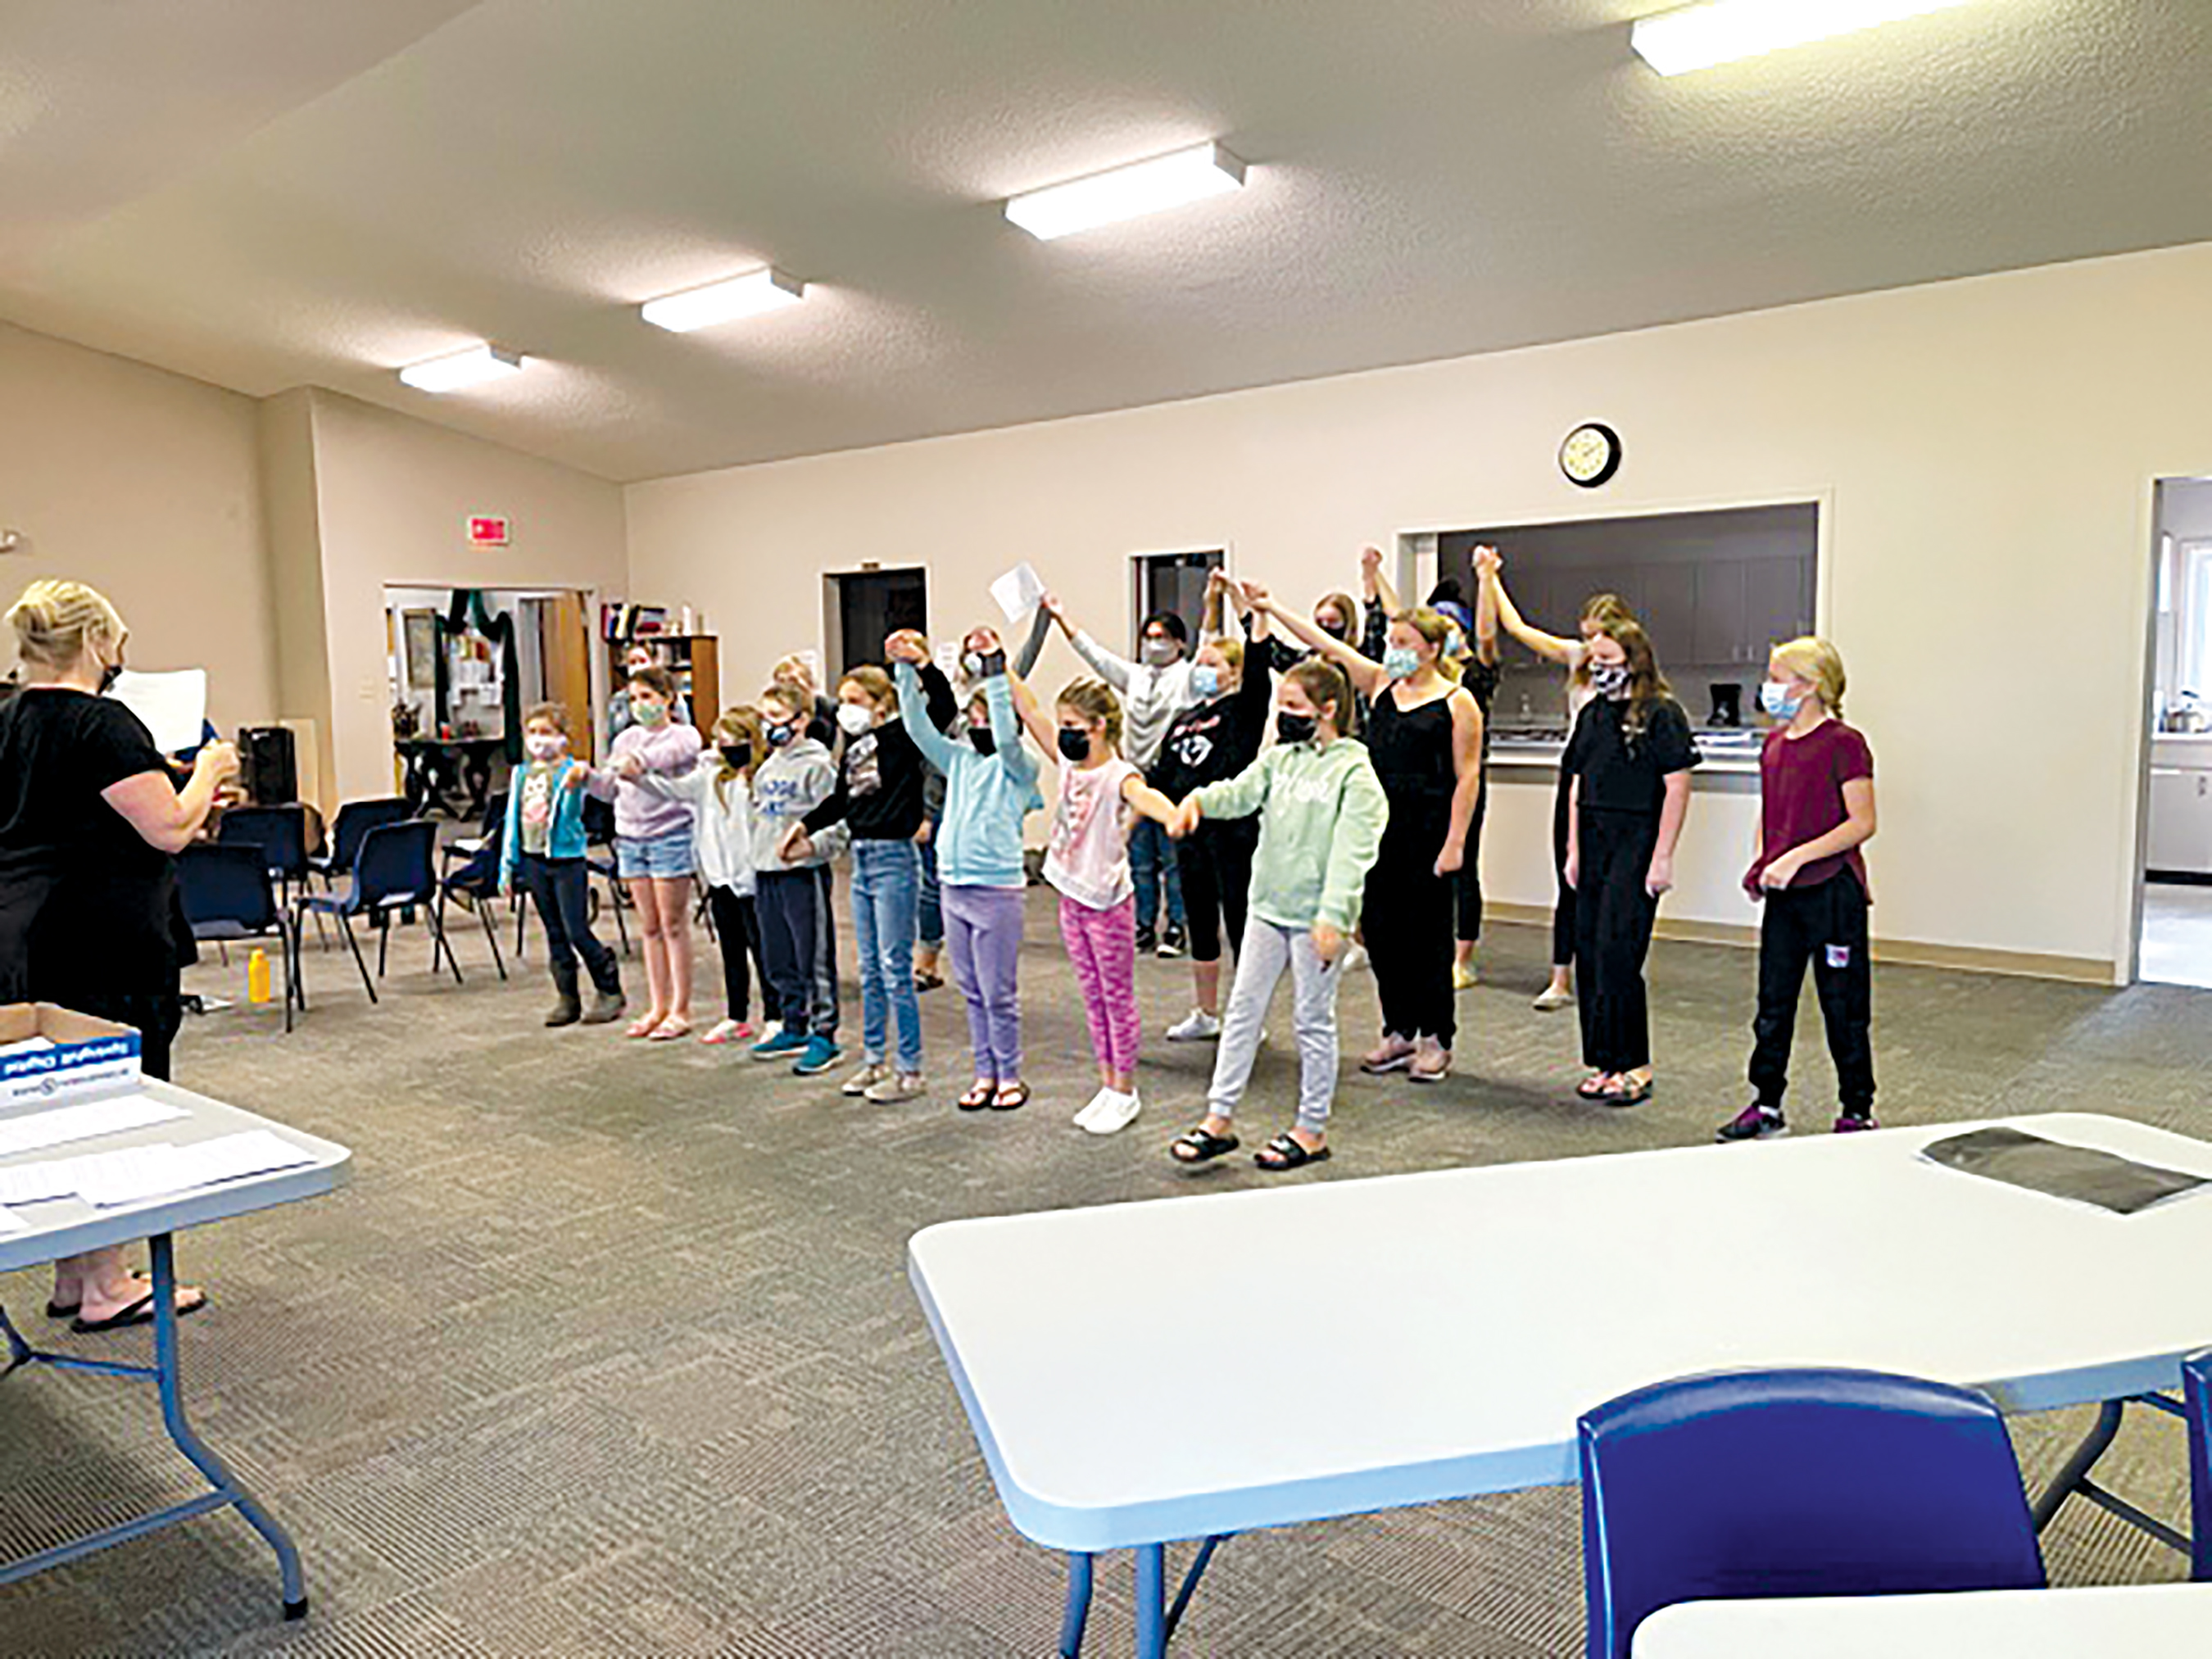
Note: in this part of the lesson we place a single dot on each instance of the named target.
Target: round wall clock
(1590, 454)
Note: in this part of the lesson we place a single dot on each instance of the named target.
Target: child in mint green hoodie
(1322, 812)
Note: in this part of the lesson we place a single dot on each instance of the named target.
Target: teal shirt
(1321, 813)
(979, 844)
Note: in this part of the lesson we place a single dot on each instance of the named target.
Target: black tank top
(1411, 750)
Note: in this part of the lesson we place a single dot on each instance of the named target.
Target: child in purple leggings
(990, 787)
(1088, 860)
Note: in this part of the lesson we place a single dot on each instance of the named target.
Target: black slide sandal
(140, 1312)
(977, 1097)
(1284, 1154)
(1204, 1148)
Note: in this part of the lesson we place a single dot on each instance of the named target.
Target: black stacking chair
(477, 880)
(394, 869)
(227, 895)
(280, 833)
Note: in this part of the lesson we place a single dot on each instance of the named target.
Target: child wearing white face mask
(879, 797)
(542, 848)
(1816, 811)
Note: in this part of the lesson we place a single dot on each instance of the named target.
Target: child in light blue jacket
(541, 849)
(990, 787)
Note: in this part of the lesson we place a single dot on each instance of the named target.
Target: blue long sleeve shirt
(986, 796)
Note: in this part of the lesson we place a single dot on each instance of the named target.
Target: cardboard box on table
(79, 1054)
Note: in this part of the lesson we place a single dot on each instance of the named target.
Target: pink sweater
(670, 751)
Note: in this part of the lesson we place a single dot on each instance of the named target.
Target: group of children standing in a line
(1363, 817)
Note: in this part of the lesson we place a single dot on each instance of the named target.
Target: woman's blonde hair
(1232, 652)
(1094, 700)
(1819, 664)
(791, 700)
(740, 724)
(55, 621)
(1437, 629)
(874, 684)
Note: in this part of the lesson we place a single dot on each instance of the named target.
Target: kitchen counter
(1729, 754)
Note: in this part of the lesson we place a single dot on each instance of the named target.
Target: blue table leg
(173, 1415)
(1078, 1607)
(1151, 1602)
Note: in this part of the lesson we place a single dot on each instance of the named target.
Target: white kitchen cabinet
(2180, 819)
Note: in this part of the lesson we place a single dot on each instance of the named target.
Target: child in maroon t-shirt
(1816, 811)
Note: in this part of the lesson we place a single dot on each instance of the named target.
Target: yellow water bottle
(257, 975)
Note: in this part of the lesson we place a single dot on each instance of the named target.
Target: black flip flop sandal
(1287, 1154)
(1011, 1098)
(1634, 1095)
(1203, 1147)
(1594, 1087)
(140, 1312)
(977, 1097)
(55, 1310)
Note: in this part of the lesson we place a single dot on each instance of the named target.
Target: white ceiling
(266, 193)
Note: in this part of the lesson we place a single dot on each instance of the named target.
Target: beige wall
(1983, 449)
(393, 497)
(145, 485)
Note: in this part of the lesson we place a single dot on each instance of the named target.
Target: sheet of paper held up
(172, 705)
(1018, 591)
(63, 1124)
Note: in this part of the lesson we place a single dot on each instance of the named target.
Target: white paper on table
(172, 705)
(1018, 591)
(143, 1172)
(34, 1183)
(82, 1123)
(12, 1223)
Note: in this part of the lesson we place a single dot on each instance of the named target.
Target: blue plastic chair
(394, 869)
(2196, 1402)
(1795, 1483)
(355, 820)
(280, 833)
(226, 894)
(475, 879)
(599, 860)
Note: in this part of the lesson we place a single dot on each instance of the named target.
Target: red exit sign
(486, 530)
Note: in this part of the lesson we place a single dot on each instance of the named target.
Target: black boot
(569, 1007)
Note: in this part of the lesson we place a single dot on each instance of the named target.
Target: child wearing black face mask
(720, 793)
(990, 787)
(1088, 861)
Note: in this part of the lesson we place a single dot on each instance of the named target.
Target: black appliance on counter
(1727, 703)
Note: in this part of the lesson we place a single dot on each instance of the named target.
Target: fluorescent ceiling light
(1721, 31)
(1142, 187)
(462, 369)
(756, 291)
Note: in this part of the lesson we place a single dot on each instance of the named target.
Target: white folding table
(1195, 1367)
(68, 1226)
(2132, 1621)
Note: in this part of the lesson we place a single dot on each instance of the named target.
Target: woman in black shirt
(90, 820)
(1212, 740)
(1628, 764)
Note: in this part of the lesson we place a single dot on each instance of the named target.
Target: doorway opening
(862, 607)
(1173, 582)
(2174, 940)
(462, 665)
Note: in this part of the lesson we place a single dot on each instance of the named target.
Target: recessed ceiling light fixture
(766, 289)
(1721, 31)
(462, 369)
(1127, 192)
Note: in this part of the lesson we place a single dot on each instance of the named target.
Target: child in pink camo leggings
(1088, 860)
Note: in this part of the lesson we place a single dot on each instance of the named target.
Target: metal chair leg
(345, 923)
(440, 942)
(492, 934)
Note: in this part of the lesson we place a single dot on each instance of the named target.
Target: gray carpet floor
(608, 1347)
